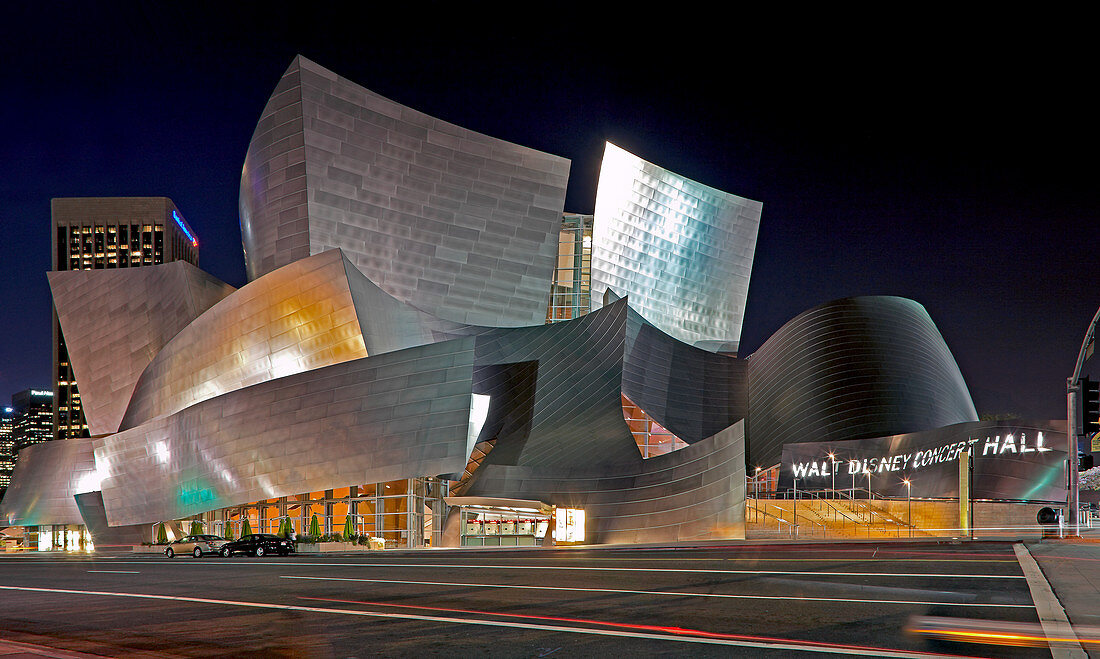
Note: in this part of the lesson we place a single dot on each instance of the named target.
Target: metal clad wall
(458, 224)
(45, 479)
(696, 493)
(851, 369)
(681, 251)
(577, 414)
(291, 320)
(693, 393)
(399, 415)
(116, 321)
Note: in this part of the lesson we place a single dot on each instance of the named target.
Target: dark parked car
(258, 544)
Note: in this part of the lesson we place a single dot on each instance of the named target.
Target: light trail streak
(791, 645)
(623, 591)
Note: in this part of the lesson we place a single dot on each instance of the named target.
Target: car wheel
(259, 551)
(225, 553)
(197, 553)
(169, 553)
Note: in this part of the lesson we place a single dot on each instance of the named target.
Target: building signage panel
(1011, 460)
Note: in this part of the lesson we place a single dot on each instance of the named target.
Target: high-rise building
(32, 412)
(98, 233)
(7, 445)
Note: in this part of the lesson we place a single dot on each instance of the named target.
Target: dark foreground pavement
(768, 600)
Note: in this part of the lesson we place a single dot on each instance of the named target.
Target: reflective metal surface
(680, 250)
(851, 369)
(691, 392)
(696, 493)
(399, 415)
(297, 318)
(46, 477)
(456, 223)
(116, 321)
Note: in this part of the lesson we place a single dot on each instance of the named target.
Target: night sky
(951, 160)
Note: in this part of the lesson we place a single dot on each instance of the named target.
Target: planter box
(325, 547)
(149, 549)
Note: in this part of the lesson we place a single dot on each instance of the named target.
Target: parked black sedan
(258, 544)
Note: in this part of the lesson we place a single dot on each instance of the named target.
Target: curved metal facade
(691, 392)
(299, 317)
(852, 369)
(696, 493)
(116, 321)
(392, 416)
(456, 223)
(680, 250)
(46, 478)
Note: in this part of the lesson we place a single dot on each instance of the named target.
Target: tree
(228, 529)
(246, 528)
(196, 527)
(349, 527)
(314, 527)
(162, 534)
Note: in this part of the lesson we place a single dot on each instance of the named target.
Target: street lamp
(756, 492)
(909, 504)
(832, 459)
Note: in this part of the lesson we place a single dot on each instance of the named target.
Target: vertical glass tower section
(104, 233)
(571, 290)
(682, 251)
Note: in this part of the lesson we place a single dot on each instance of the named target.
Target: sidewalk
(1072, 568)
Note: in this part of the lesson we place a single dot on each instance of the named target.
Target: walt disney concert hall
(431, 350)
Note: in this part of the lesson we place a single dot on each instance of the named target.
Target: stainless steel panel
(851, 369)
(116, 321)
(680, 250)
(46, 478)
(398, 415)
(456, 223)
(696, 493)
(297, 318)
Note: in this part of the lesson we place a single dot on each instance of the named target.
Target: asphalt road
(761, 600)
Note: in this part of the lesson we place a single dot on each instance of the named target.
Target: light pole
(832, 459)
(756, 492)
(909, 505)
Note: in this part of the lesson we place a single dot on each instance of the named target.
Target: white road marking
(789, 645)
(662, 592)
(458, 566)
(1051, 614)
(116, 571)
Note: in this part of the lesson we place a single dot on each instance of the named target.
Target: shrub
(162, 534)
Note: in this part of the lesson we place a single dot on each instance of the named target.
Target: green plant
(349, 527)
(162, 534)
(246, 528)
(228, 530)
(314, 527)
(196, 527)
(286, 528)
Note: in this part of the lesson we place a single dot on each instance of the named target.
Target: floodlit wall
(46, 478)
(399, 415)
(696, 493)
(680, 250)
(458, 224)
(116, 321)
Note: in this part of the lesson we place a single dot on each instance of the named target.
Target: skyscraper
(32, 414)
(97, 233)
(7, 445)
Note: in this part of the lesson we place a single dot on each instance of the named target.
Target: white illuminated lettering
(991, 443)
(853, 466)
(1039, 444)
(800, 469)
(1010, 443)
(1023, 444)
(895, 464)
(814, 470)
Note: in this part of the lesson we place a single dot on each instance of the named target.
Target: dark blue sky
(947, 161)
